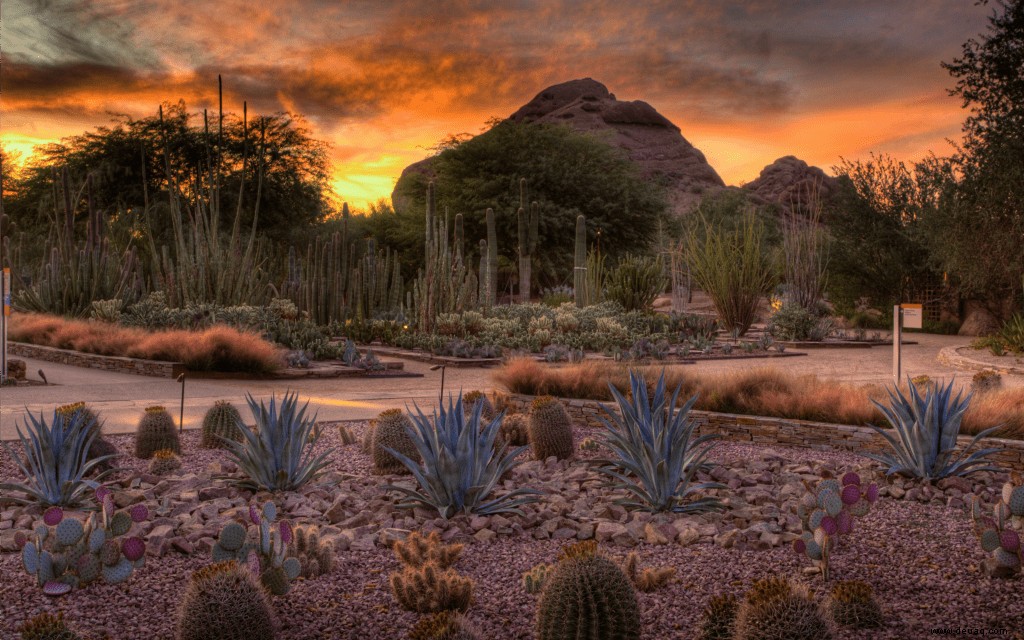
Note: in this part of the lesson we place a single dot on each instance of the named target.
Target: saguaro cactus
(579, 273)
(528, 227)
(484, 296)
(460, 238)
(492, 260)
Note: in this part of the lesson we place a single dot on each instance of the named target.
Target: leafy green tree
(568, 173)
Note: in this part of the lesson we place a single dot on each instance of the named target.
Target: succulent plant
(431, 589)
(515, 430)
(164, 461)
(46, 626)
(315, 556)
(266, 549)
(1000, 534)
(417, 550)
(986, 380)
(220, 424)
(368, 437)
(55, 461)
(470, 399)
(278, 455)
(156, 431)
(778, 613)
(224, 601)
(550, 429)
(445, 625)
(100, 447)
(924, 434)
(65, 553)
(587, 597)
(392, 434)
(646, 579)
(656, 452)
(533, 580)
(589, 444)
(719, 618)
(827, 512)
(345, 435)
(461, 465)
(852, 604)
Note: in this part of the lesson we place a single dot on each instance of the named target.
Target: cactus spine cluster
(515, 430)
(64, 553)
(224, 601)
(781, 612)
(852, 604)
(163, 462)
(550, 429)
(220, 425)
(828, 512)
(316, 556)
(587, 597)
(390, 433)
(1000, 534)
(427, 583)
(156, 431)
(579, 272)
(265, 551)
(345, 435)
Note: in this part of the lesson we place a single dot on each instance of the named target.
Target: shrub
(54, 460)
(461, 466)
(1012, 334)
(656, 453)
(636, 282)
(278, 455)
(224, 601)
(793, 322)
(926, 429)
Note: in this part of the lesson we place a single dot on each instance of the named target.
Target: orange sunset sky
(380, 80)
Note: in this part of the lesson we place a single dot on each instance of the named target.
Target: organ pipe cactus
(828, 513)
(924, 434)
(264, 547)
(65, 553)
(528, 220)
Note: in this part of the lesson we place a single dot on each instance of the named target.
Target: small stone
(485, 535)
(688, 536)
(653, 534)
(607, 530)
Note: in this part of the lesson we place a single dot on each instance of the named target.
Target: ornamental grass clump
(657, 454)
(460, 465)
(278, 455)
(55, 460)
(924, 434)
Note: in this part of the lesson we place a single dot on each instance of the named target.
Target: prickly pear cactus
(265, 548)
(1000, 534)
(65, 553)
(827, 512)
(220, 425)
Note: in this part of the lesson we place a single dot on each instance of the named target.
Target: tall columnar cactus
(528, 226)
(65, 553)
(220, 424)
(579, 274)
(156, 431)
(781, 614)
(587, 597)
(265, 550)
(492, 259)
(431, 215)
(224, 601)
(550, 429)
(460, 239)
(827, 513)
(390, 433)
(1000, 534)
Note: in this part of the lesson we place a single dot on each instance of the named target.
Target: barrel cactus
(853, 604)
(550, 429)
(390, 433)
(719, 618)
(224, 601)
(446, 625)
(470, 399)
(99, 447)
(587, 597)
(164, 461)
(156, 431)
(47, 626)
(220, 424)
(781, 613)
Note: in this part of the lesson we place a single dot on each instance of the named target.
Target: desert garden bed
(915, 547)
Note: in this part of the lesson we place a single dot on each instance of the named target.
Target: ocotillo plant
(528, 228)
(492, 261)
(579, 274)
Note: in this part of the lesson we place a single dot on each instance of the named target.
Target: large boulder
(790, 181)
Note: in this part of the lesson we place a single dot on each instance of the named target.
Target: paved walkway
(121, 398)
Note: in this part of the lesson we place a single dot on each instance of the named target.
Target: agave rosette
(657, 454)
(278, 455)
(55, 460)
(460, 464)
(924, 434)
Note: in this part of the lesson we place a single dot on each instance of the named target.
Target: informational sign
(913, 315)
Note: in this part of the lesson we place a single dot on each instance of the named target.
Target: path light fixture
(42, 376)
(181, 414)
(442, 368)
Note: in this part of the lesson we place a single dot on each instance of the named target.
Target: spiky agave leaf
(55, 460)
(657, 453)
(924, 434)
(279, 455)
(461, 465)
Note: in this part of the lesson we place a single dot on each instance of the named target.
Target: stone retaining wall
(153, 368)
(793, 433)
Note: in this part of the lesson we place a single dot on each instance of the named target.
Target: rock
(978, 320)
(7, 544)
(896, 492)
(336, 513)
(606, 531)
(564, 533)
(389, 536)
(485, 535)
(727, 539)
(213, 493)
(585, 532)
(955, 482)
(364, 543)
(687, 536)
(789, 180)
(653, 535)
(182, 545)
(124, 499)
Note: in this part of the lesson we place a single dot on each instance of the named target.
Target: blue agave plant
(924, 433)
(55, 460)
(461, 465)
(657, 453)
(278, 455)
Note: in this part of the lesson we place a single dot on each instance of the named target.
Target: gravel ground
(921, 559)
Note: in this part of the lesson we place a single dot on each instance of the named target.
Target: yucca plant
(657, 453)
(460, 463)
(55, 460)
(278, 454)
(924, 434)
